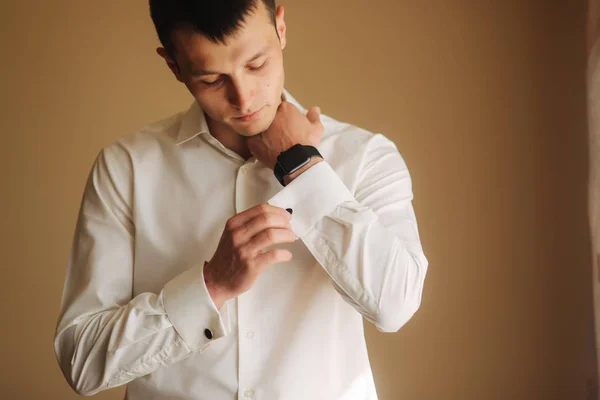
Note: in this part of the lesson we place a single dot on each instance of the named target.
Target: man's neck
(229, 138)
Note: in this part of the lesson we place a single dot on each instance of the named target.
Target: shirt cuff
(192, 311)
(312, 195)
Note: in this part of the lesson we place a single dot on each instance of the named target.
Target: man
(231, 251)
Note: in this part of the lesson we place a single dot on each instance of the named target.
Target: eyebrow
(258, 55)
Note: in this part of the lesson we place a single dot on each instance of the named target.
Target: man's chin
(252, 129)
(249, 133)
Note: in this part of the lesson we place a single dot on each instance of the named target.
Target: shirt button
(249, 394)
(249, 334)
(208, 333)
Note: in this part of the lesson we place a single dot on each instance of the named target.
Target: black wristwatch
(292, 159)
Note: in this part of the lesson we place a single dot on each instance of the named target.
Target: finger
(282, 105)
(240, 219)
(266, 238)
(261, 222)
(314, 115)
(272, 257)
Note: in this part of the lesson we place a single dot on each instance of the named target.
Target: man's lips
(250, 117)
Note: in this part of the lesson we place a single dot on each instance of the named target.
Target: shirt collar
(194, 122)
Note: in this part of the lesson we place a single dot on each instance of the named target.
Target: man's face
(237, 84)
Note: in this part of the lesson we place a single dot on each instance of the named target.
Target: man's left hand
(289, 127)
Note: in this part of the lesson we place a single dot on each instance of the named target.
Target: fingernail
(289, 210)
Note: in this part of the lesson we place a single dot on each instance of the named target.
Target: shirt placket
(245, 198)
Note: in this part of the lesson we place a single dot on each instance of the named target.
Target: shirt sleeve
(367, 241)
(105, 337)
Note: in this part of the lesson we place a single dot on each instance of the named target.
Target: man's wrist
(213, 291)
(313, 161)
(217, 300)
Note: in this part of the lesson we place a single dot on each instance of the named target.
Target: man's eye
(213, 83)
(258, 68)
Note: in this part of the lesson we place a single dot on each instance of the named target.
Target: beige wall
(485, 100)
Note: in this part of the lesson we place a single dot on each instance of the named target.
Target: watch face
(293, 158)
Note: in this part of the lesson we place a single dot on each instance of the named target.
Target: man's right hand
(240, 255)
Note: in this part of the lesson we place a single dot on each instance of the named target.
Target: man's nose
(240, 95)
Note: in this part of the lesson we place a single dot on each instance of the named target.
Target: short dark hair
(215, 19)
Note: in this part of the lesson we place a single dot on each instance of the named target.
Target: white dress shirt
(136, 311)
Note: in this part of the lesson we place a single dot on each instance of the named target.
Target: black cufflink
(208, 333)
(289, 210)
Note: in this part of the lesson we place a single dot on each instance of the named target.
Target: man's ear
(170, 63)
(281, 28)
